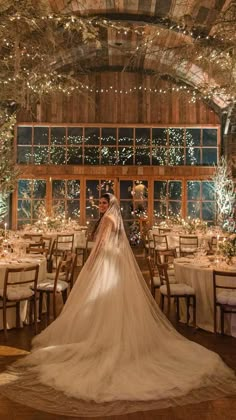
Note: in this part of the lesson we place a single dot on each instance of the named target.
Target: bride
(111, 350)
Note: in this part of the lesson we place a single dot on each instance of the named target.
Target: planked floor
(221, 409)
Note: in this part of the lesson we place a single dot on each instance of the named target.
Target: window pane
(108, 155)
(126, 208)
(193, 190)
(75, 135)
(176, 136)
(39, 189)
(58, 135)
(159, 209)
(108, 136)
(176, 156)
(24, 135)
(159, 156)
(125, 156)
(107, 186)
(41, 135)
(125, 136)
(36, 205)
(209, 156)
(58, 155)
(159, 137)
(208, 210)
(92, 211)
(193, 156)
(126, 189)
(175, 190)
(24, 209)
(209, 137)
(40, 155)
(91, 156)
(58, 207)
(74, 156)
(25, 188)
(92, 189)
(193, 136)
(91, 135)
(208, 190)
(73, 189)
(24, 154)
(142, 136)
(58, 189)
(160, 189)
(73, 209)
(193, 210)
(142, 156)
(174, 208)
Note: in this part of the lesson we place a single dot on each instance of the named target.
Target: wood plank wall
(139, 106)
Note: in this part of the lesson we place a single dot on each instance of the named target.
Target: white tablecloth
(21, 262)
(199, 276)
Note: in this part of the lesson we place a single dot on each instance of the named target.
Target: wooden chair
(176, 291)
(20, 284)
(163, 231)
(56, 283)
(162, 249)
(36, 248)
(63, 243)
(187, 245)
(224, 296)
(35, 237)
(155, 282)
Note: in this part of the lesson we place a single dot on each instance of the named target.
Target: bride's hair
(107, 197)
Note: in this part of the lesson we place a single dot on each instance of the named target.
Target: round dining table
(198, 273)
(14, 262)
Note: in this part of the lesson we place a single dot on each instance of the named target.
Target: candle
(217, 242)
(5, 226)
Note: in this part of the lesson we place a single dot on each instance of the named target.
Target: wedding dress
(111, 350)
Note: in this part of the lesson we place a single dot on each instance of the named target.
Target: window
(167, 199)
(31, 199)
(201, 200)
(77, 145)
(66, 198)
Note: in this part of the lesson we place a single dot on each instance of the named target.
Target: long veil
(112, 351)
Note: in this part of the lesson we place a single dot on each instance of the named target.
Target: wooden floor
(220, 409)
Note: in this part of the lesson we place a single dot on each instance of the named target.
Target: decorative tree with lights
(8, 172)
(224, 190)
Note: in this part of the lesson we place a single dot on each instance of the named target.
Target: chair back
(36, 248)
(21, 277)
(35, 237)
(160, 242)
(71, 259)
(163, 231)
(164, 278)
(47, 240)
(188, 244)
(64, 242)
(224, 294)
(64, 267)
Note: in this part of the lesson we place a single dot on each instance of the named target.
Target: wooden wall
(139, 106)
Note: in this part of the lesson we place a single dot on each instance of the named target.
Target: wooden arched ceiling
(187, 41)
(164, 55)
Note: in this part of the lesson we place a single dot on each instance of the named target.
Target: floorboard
(221, 409)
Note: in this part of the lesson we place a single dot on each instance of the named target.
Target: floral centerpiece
(228, 247)
(194, 225)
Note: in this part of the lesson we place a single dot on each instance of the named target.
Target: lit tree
(224, 190)
(8, 172)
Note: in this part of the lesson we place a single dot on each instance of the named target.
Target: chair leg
(40, 305)
(162, 298)
(54, 307)
(5, 321)
(168, 305)
(215, 318)
(177, 309)
(64, 296)
(194, 311)
(48, 307)
(187, 309)
(17, 314)
(222, 320)
(35, 315)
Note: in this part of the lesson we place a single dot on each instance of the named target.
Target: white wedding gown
(112, 350)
